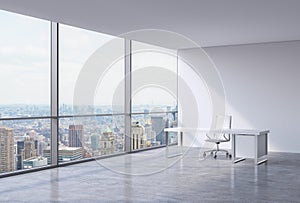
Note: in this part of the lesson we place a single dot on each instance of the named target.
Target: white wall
(195, 106)
(262, 83)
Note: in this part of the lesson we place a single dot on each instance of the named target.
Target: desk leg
(167, 143)
(181, 142)
(233, 148)
(180, 138)
(258, 159)
(256, 149)
(267, 141)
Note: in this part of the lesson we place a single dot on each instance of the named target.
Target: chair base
(215, 151)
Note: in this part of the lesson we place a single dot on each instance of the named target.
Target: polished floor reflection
(148, 177)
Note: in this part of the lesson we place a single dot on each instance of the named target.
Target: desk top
(227, 131)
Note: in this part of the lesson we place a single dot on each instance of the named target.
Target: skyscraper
(150, 134)
(158, 127)
(138, 137)
(6, 150)
(25, 150)
(30, 148)
(175, 114)
(76, 137)
(146, 113)
(20, 147)
(107, 142)
(95, 139)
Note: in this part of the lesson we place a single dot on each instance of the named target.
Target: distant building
(76, 137)
(146, 113)
(64, 138)
(175, 113)
(34, 162)
(107, 142)
(120, 142)
(7, 161)
(95, 142)
(20, 147)
(138, 137)
(65, 154)
(150, 134)
(28, 148)
(41, 146)
(158, 127)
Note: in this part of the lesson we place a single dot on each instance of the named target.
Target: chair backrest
(223, 122)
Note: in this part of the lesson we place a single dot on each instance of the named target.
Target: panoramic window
(91, 90)
(25, 92)
(85, 69)
(154, 95)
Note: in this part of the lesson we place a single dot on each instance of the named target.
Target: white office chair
(221, 122)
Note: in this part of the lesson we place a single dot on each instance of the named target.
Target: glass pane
(92, 62)
(24, 66)
(154, 78)
(87, 137)
(25, 144)
(147, 130)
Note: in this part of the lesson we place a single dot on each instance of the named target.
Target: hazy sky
(25, 63)
(24, 59)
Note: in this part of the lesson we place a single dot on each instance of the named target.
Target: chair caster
(227, 154)
(211, 153)
(230, 156)
(215, 156)
(204, 154)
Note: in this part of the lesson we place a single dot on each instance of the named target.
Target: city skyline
(31, 138)
(25, 110)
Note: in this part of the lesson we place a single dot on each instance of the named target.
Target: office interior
(201, 58)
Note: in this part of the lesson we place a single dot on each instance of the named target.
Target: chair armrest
(208, 136)
(227, 138)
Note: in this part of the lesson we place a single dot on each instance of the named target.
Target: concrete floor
(151, 177)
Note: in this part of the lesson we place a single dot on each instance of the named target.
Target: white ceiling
(207, 22)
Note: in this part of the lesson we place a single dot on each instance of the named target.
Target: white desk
(260, 144)
(260, 140)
